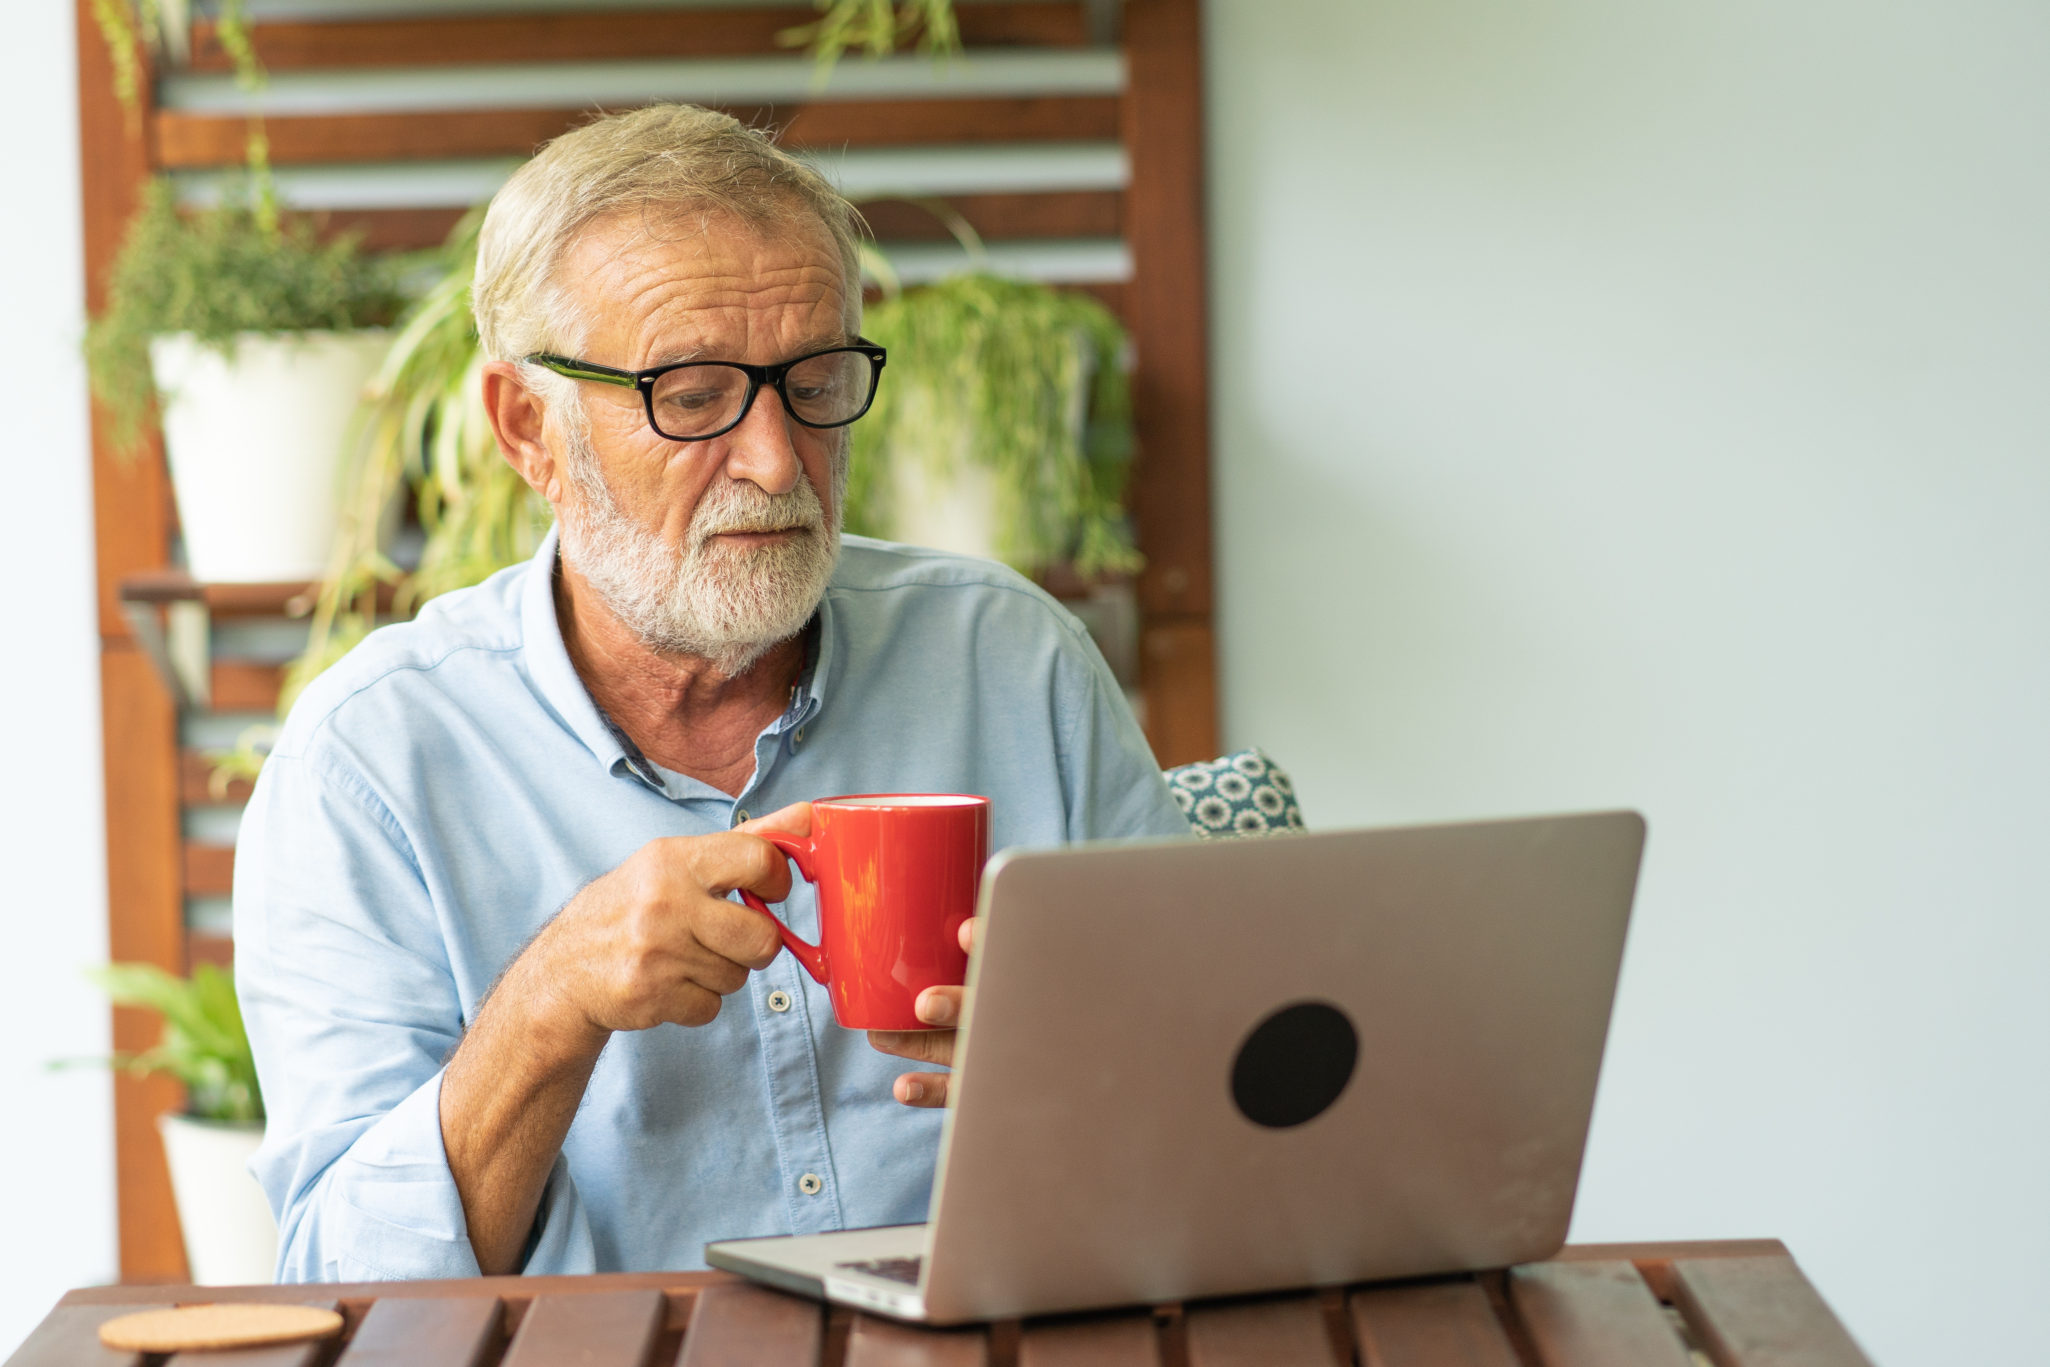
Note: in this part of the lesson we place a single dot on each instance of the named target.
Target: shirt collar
(560, 686)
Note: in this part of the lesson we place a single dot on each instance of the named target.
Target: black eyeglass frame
(757, 376)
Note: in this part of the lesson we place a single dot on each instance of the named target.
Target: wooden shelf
(196, 141)
(209, 869)
(627, 34)
(157, 588)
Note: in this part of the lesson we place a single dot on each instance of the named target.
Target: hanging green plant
(876, 27)
(132, 29)
(1024, 380)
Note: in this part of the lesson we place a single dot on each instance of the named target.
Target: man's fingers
(711, 969)
(738, 932)
(792, 820)
(734, 859)
(920, 1046)
(967, 935)
(941, 1006)
(921, 1089)
(693, 1005)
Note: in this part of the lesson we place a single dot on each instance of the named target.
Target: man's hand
(652, 941)
(656, 941)
(940, 1006)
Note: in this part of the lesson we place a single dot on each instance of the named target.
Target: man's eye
(694, 400)
(807, 393)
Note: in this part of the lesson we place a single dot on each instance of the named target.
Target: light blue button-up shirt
(441, 792)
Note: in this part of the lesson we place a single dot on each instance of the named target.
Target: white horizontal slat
(1084, 261)
(577, 85)
(212, 825)
(860, 173)
(270, 640)
(218, 730)
(213, 915)
(390, 185)
(1023, 167)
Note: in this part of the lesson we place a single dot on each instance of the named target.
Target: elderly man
(505, 1014)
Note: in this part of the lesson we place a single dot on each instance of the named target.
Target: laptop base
(825, 1266)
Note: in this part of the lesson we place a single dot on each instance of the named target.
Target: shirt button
(779, 1000)
(810, 1184)
(739, 816)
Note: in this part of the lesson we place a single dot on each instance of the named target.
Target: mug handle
(799, 851)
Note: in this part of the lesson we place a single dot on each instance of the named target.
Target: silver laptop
(1203, 1068)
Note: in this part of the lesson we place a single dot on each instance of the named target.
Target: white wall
(56, 1136)
(1647, 402)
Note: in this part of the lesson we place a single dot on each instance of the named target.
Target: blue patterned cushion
(1241, 794)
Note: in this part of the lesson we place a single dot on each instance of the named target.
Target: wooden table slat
(873, 1342)
(304, 1353)
(1594, 1315)
(1654, 1261)
(1760, 1312)
(69, 1336)
(1126, 1340)
(454, 1331)
(740, 1325)
(588, 1329)
(1429, 1324)
(1286, 1331)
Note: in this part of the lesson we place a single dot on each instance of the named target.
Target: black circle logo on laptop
(1294, 1064)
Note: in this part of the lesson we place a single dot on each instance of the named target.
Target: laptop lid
(1197, 1069)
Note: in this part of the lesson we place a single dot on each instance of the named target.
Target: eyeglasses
(699, 400)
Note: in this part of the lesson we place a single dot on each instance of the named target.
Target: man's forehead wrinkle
(723, 293)
(680, 321)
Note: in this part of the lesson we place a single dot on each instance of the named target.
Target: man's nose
(761, 449)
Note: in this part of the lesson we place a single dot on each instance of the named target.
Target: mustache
(740, 506)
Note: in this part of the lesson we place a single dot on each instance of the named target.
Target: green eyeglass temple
(773, 376)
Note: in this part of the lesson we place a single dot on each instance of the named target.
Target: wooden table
(1731, 1304)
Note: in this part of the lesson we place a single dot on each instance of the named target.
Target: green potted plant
(251, 339)
(1005, 427)
(230, 1237)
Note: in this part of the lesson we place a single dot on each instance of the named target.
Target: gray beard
(725, 606)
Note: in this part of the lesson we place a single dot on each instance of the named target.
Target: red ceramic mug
(897, 875)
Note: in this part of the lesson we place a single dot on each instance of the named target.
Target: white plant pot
(230, 1237)
(954, 509)
(257, 442)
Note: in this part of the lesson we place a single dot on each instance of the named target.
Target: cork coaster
(191, 1328)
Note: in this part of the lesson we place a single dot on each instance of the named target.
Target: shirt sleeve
(352, 1010)
(1114, 787)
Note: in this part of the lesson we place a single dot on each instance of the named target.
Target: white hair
(667, 162)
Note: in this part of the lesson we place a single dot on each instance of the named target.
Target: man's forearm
(508, 1096)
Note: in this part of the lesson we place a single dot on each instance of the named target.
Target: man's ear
(517, 418)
